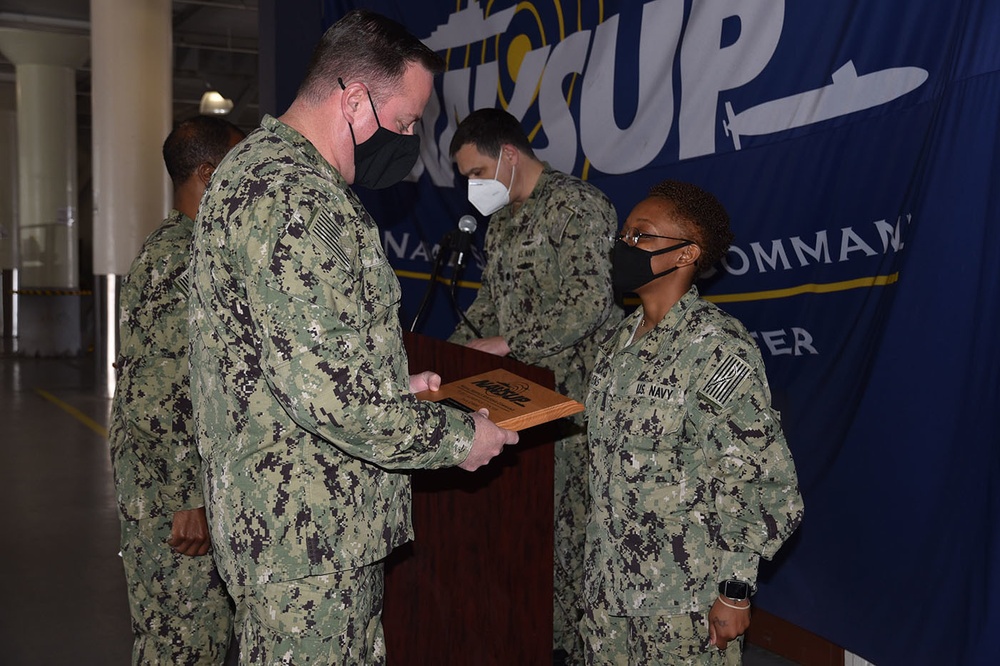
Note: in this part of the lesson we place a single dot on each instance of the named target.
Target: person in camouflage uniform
(545, 299)
(304, 410)
(180, 611)
(691, 479)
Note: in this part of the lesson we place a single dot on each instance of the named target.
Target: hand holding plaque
(514, 403)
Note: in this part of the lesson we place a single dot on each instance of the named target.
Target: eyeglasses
(632, 236)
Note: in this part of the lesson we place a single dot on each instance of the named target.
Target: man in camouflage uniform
(180, 611)
(545, 299)
(304, 409)
(691, 480)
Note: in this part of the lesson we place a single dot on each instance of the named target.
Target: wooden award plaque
(515, 403)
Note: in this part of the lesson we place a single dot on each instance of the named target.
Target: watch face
(737, 590)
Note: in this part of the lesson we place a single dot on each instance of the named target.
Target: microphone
(457, 240)
(463, 240)
(463, 243)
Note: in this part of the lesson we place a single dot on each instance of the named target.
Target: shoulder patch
(730, 374)
(183, 283)
(327, 232)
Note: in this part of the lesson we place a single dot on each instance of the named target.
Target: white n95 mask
(489, 195)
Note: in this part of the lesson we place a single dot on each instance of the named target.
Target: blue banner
(856, 146)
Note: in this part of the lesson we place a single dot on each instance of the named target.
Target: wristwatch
(737, 590)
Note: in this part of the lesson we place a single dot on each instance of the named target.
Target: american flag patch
(327, 231)
(727, 378)
(183, 283)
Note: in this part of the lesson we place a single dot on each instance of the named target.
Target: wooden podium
(475, 587)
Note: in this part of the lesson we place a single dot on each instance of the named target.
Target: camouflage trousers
(181, 613)
(323, 620)
(571, 499)
(656, 640)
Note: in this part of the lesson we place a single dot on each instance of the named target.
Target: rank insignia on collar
(727, 378)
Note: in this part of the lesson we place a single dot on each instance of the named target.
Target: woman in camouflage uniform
(691, 481)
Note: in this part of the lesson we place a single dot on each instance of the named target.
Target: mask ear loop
(374, 112)
(496, 176)
(670, 249)
(349, 126)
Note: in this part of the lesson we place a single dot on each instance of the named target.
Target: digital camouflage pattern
(299, 377)
(180, 610)
(546, 289)
(153, 452)
(332, 619)
(673, 640)
(691, 479)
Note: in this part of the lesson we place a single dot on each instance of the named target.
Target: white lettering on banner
(400, 247)
(421, 252)
(793, 342)
(708, 67)
(886, 237)
(405, 246)
(611, 148)
(890, 234)
(393, 247)
(568, 58)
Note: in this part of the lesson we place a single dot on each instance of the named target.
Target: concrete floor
(62, 587)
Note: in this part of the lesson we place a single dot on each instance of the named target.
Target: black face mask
(385, 157)
(632, 267)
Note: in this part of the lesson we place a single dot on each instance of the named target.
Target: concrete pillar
(8, 213)
(49, 306)
(131, 63)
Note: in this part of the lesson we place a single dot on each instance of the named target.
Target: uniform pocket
(651, 438)
(378, 281)
(317, 607)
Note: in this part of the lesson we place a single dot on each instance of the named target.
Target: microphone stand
(446, 242)
(463, 241)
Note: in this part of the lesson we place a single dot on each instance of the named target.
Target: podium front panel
(475, 586)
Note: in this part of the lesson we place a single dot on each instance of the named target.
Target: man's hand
(189, 533)
(725, 623)
(488, 441)
(425, 381)
(495, 345)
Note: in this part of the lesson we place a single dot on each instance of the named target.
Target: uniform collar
(652, 343)
(538, 193)
(307, 151)
(180, 219)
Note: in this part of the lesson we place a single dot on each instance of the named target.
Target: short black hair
(367, 47)
(488, 130)
(196, 141)
(702, 216)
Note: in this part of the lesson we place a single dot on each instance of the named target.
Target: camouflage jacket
(299, 376)
(546, 288)
(691, 480)
(153, 454)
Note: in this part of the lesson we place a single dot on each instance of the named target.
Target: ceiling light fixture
(214, 104)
